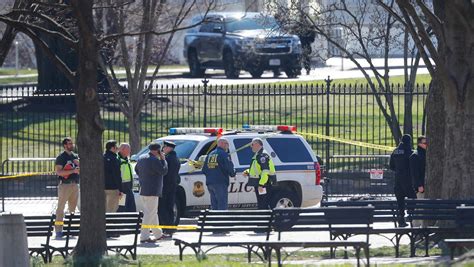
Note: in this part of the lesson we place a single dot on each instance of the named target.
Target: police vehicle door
(241, 160)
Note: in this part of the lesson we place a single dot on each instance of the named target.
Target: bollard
(13, 241)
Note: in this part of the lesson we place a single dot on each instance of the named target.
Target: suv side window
(205, 148)
(290, 149)
(207, 26)
(244, 155)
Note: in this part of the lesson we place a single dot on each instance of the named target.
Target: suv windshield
(183, 148)
(256, 23)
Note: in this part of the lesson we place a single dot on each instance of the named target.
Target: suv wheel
(285, 199)
(291, 73)
(194, 65)
(256, 72)
(231, 72)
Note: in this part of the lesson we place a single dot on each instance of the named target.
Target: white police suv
(297, 168)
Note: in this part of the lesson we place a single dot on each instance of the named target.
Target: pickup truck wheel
(256, 73)
(291, 73)
(231, 72)
(282, 198)
(194, 65)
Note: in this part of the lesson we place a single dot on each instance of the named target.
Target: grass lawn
(420, 79)
(234, 260)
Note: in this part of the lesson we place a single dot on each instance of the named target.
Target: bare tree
(450, 105)
(146, 23)
(73, 23)
(361, 30)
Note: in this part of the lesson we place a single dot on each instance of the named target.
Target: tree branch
(68, 73)
(410, 11)
(24, 25)
(114, 6)
(119, 35)
(418, 42)
(435, 22)
(45, 17)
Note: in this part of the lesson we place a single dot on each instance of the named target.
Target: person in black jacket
(170, 183)
(113, 179)
(400, 164)
(417, 167)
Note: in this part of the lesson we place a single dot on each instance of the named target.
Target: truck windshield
(256, 23)
(183, 148)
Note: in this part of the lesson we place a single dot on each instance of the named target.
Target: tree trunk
(134, 131)
(91, 245)
(6, 43)
(455, 71)
(435, 136)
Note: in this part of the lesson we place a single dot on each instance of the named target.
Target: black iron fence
(33, 123)
(359, 175)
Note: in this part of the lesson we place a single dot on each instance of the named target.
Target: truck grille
(273, 46)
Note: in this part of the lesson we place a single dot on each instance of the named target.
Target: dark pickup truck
(241, 41)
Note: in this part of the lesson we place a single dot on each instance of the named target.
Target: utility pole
(16, 58)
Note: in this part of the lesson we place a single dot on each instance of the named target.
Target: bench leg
(358, 255)
(248, 254)
(397, 245)
(412, 246)
(269, 256)
(451, 252)
(367, 255)
(427, 245)
(278, 253)
(180, 252)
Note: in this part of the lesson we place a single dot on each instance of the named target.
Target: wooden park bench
(464, 224)
(385, 211)
(336, 221)
(212, 223)
(117, 224)
(40, 228)
(440, 211)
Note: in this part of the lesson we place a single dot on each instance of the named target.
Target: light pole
(16, 58)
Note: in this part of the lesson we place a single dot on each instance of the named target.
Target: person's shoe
(59, 235)
(402, 224)
(165, 237)
(149, 240)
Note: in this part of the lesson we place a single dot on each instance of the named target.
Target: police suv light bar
(185, 130)
(270, 128)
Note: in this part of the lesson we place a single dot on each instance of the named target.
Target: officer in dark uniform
(400, 164)
(261, 174)
(170, 184)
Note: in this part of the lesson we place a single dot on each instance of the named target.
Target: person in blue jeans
(218, 167)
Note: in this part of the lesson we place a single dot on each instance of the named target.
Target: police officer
(127, 178)
(261, 174)
(218, 167)
(170, 183)
(400, 164)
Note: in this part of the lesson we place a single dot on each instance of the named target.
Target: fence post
(328, 92)
(3, 185)
(205, 82)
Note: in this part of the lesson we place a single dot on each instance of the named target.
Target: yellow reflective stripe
(264, 177)
(154, 226)
(58, 223)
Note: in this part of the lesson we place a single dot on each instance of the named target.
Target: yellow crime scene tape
(350, 142)
(27, 175)
(151, 226)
